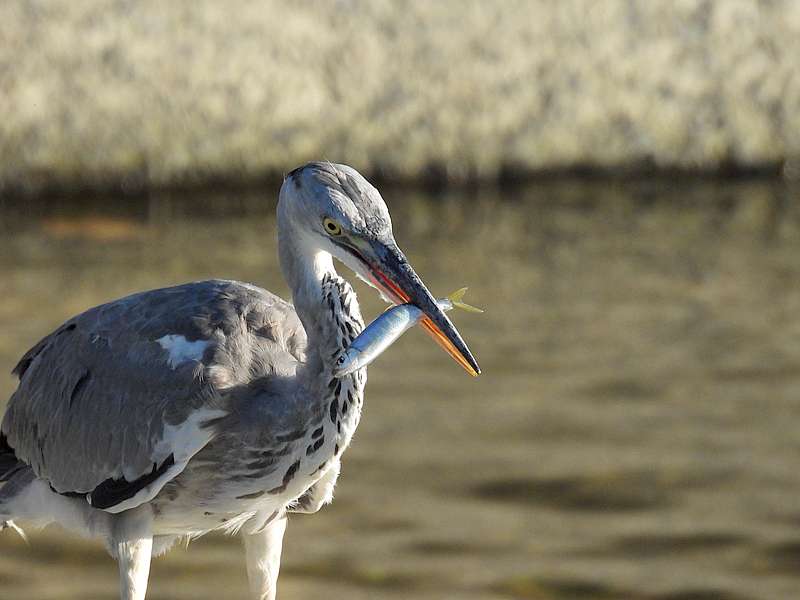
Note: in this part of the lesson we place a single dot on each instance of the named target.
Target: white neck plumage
(325, 303)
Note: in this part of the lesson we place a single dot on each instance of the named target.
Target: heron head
(342, 214)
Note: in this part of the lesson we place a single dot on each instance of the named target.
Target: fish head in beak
(382, 264)
(386, 268)
(349, 220)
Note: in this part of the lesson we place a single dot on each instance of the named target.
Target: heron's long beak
(389, 270)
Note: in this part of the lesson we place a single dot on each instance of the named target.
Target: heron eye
(331, 226)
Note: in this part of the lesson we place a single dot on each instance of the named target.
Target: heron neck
(309, 272)
(304, 268)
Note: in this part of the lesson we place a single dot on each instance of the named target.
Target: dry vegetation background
(152, 93)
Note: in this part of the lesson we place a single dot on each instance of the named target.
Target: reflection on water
(634, 434)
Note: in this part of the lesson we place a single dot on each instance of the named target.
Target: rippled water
(634, 435)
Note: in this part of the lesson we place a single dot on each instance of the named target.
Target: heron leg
(263, 552)
(132, 545)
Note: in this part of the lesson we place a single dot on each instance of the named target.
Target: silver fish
(384, 331)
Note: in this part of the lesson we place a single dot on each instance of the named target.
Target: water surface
(634, 434)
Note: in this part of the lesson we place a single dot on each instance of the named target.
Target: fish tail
(456, 299)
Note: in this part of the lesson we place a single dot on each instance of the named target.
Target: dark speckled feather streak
(97, 396)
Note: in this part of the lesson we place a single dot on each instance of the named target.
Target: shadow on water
(633, 435)
(556, 589)
(613, 491)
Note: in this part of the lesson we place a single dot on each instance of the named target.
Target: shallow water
(634, 434)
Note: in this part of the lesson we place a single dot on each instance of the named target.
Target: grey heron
(212, 405)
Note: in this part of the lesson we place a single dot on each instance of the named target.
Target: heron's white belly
(194, 508)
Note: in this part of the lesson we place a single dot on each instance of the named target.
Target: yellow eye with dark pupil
(331, 226)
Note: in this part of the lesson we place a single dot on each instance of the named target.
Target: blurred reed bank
(153, 93)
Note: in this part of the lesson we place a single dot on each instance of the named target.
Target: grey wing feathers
(126, 391)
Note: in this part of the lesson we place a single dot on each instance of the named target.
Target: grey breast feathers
(120, 397)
